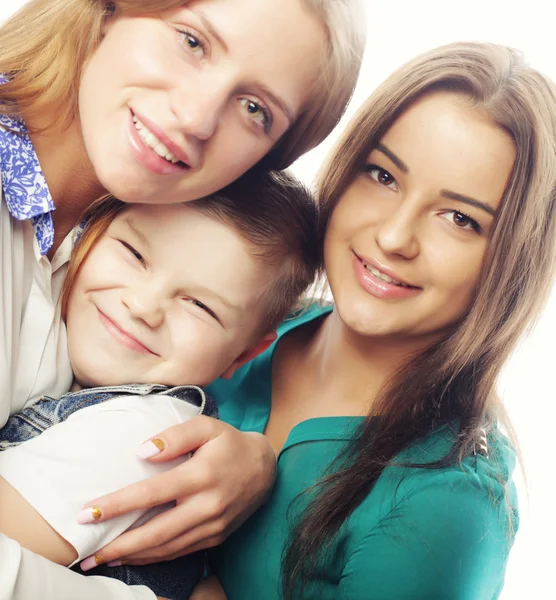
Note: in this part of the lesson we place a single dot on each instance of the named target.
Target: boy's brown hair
(271, 210)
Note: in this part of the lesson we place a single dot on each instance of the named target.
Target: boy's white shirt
(34, 362)
(92, 453)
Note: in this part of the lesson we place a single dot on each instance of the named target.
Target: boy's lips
(122, 336)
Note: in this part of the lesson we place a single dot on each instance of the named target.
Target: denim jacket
(33, 420)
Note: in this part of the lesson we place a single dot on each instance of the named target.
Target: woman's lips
(122, 336)
(147, 157)
(379, 288)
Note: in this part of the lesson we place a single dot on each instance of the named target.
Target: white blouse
(34, 359)
(34, 362)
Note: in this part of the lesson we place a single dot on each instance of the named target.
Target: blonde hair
(44, 47)
(453, 382)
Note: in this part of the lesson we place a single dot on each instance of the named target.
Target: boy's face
(167, 295)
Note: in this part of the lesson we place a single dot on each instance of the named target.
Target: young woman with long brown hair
(153, 101)
(439, 244)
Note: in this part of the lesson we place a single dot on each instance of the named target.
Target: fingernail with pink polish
(89, 515)
(115, 563)
(150, 448)
(91, 562)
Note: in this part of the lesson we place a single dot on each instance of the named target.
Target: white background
(398, 30)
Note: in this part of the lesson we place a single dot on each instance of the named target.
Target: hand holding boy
(225, 482)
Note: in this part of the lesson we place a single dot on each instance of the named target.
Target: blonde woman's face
(406, 242)
(177, 105)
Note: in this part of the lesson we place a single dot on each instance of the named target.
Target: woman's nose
(199, 105)
(397, 233)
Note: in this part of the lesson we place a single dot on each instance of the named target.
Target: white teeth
(382, 276)
(153, 142)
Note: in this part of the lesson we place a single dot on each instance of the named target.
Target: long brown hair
(454, 381)
(44, 47)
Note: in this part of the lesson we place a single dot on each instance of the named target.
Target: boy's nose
(144, 305)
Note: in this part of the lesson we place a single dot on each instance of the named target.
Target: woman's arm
(447, 541)
(226, 481)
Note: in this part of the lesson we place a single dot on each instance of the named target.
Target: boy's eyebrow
(141, 236)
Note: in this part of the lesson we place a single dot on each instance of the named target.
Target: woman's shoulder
(477, 491)
(448, 530)
(306, 312)
(491, 463)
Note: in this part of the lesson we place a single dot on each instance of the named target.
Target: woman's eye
(462, 221)
(134, 252)
(382, 177)
(256, 112)
(193, 43)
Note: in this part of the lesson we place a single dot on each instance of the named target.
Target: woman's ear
(250, 354)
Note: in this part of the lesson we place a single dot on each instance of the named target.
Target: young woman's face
(167, 295)
(177, 105)
(405, 244)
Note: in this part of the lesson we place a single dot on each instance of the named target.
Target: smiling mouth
(150, 140)
(386, 278)
(122, 336)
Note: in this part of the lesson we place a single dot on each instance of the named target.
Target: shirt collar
(25, 190)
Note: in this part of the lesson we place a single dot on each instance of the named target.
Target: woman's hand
(226, 480)
(208, 589)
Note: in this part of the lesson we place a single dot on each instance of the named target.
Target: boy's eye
(196, 303)
(134, 252)
(202, 306)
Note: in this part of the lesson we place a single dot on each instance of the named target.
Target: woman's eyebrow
(395, 159)
(446, 193)
(467, 200)
(210, 28)
(274, 98)
(279, 102)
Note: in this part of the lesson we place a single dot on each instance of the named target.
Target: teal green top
(419, 534)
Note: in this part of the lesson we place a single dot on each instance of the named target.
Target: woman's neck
(354, 367)
(68, 172)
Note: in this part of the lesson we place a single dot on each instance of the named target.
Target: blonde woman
(439, 245)
(154, 101)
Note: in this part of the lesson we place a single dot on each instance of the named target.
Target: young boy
(155, 297)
